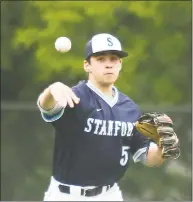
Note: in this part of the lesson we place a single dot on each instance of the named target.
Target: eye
(114, 58)
(100, 59)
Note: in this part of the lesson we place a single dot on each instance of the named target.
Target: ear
(87, 66)
(120, 65)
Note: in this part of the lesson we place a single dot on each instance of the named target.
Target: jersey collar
(110, 102)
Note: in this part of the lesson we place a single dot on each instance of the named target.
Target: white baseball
(63, 44)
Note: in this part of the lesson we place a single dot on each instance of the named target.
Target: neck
(106, 89)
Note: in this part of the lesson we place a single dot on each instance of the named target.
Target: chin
(109, 81)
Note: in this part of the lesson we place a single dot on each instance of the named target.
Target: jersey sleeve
(139, 146)
(51, 115)
(143, 157)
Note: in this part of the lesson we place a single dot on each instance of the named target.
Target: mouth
(109, 73)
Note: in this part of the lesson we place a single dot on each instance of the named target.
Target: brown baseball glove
(159, 128)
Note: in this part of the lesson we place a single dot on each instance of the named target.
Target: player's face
(104, 68)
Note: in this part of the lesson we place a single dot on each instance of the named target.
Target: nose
(108, 64)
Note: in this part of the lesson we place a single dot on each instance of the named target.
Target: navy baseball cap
(104, 43)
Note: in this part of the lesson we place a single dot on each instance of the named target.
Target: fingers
(168, 140)
(70, 101)
(67, 98)
(60, 99)
(62, 102)
(64, 95)
(165, 130)
(74, 97)
(167, 135)
(171, 152)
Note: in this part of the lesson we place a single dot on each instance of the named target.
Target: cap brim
(121, 54)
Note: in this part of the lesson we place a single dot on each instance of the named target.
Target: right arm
(56, 97)
(46, 100)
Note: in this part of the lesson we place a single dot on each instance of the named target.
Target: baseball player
(98, 129)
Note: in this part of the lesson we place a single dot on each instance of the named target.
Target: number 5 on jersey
(124, 155)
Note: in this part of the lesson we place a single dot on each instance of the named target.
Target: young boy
(94, 129)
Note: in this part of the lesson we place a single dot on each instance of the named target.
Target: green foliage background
(158, 38)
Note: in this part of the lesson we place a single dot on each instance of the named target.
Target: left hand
(159, 128)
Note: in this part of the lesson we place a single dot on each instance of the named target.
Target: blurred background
(156, 75)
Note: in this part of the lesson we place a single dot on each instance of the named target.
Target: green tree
(158, 44)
